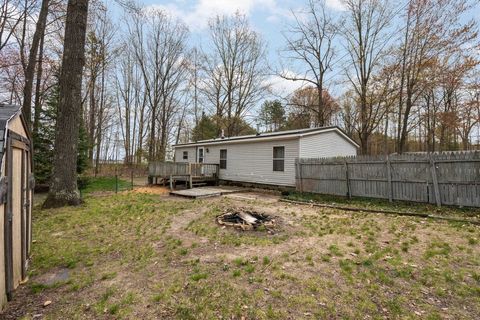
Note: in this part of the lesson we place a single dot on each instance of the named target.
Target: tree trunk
(38, 88)
(63, 189)
(364, 143)
(32, 59)
(91, 116)
(404, 128)
(321, 107)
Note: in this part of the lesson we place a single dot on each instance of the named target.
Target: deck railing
(167, 169)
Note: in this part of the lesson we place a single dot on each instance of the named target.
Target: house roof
(288, 134)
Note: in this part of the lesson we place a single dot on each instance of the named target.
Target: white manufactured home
(266, 158)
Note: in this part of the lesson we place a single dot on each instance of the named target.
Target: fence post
(116, 179)
(389, 178)
(299, 174)
(131, 178)
(347, 180)
(436, 190)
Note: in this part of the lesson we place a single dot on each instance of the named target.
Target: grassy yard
(147, 256)
(89, 184)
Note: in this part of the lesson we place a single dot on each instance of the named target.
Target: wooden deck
(205, 192)
(191, 174)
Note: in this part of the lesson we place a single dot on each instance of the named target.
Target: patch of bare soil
(179, 225)
(152, 190)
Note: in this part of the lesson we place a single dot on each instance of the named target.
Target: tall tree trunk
(38, 88)
(151, 145)
(92, 111)
(63, 189)
(404, 129)
(32, 59)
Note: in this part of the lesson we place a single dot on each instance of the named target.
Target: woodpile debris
(244, 219)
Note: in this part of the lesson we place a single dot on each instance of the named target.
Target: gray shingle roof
(264, 135)
(7, 111)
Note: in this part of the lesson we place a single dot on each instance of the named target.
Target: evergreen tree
(205, 129)
(45, 137)
(272, 115)
(209, 126)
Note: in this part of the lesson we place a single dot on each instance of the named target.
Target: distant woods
(396, 77)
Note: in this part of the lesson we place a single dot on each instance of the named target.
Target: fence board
(408, 177)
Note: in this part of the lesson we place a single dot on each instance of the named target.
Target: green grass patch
(91, 184)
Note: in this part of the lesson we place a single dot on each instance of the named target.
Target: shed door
(17, 219)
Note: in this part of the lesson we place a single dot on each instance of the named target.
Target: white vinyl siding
(326, 144)
(252, 162)
(191, 154)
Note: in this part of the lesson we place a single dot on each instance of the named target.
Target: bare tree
(432, 29)
(159, 44)
(310, 46)
(32, 60)
(11, 15)
(99, 56)
(235, 71)
(63, 189)
(364, 31)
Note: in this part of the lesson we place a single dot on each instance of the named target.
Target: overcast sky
(269, 18)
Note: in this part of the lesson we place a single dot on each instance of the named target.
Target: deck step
(199, 184)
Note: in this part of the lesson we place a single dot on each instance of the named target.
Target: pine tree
(45, 137)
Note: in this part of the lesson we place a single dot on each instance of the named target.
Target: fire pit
(246, 220)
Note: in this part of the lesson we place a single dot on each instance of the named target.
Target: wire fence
(113, 178)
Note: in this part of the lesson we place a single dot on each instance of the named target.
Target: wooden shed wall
(3, 288)
(21, 219)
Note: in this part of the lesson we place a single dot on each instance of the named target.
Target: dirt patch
(152, 190)
(54, 277)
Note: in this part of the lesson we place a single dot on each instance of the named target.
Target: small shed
(16, 196)
(266, 158)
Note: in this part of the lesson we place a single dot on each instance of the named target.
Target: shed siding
(11, 119)
(3, 288)
(16, 126)
(17, 216)
(326, 144)
(253, 161)
(3, 285)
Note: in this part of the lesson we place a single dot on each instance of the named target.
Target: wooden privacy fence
(450, 178)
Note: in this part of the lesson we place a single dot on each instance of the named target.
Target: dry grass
(137, 255)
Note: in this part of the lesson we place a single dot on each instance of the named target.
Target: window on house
(278, 158)
(185, 155)
(223, 159)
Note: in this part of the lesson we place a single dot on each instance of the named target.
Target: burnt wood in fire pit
(245, 220)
